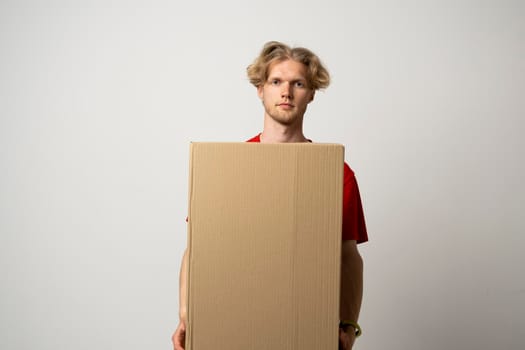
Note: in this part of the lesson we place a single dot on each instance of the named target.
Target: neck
(278, 133)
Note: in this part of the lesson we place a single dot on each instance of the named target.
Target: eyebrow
(293, 80)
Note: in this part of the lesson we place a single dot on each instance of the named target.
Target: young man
(286, 80)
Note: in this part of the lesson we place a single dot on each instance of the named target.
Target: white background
(100, 99)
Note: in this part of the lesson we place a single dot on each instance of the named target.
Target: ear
(260, 91)
(312, 97)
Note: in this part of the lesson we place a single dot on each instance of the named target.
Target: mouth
(285, 105)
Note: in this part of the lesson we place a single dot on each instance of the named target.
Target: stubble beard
(286, 118)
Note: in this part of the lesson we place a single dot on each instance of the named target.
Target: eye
(299, 84)
(275, 82)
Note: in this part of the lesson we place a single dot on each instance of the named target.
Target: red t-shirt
(354, 227)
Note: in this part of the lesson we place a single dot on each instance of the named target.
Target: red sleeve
(354, 227)
(256, 138)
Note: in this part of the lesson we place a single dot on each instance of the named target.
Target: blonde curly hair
(273, 51)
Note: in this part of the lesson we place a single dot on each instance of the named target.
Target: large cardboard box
(264, 240)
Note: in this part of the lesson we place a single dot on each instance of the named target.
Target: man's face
(286, 94)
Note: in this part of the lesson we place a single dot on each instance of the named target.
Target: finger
(182, 339)
(174, 340)
(341, 341)
(179, 339)
(345, 341)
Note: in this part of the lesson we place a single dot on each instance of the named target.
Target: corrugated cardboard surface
(264, 239)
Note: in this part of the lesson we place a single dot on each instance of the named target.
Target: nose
(286, 91)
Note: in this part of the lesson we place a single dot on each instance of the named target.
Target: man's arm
(179, 336)
(351, 289)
